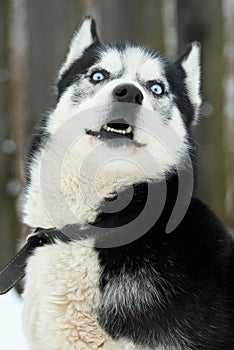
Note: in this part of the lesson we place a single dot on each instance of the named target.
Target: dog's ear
(84, 37)
(191, 64)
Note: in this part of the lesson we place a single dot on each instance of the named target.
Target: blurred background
(34, 36)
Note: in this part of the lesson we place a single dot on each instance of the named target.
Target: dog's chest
(60, 299)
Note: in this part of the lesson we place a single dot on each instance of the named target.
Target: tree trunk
(137, 21)
(7, 213)
(228, 14)
(206, 25)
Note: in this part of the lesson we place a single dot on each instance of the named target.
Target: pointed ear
(84, 37)
(191, 64)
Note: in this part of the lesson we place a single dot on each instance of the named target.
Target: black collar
(14, 271)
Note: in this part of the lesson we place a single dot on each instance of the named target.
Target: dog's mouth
(115, 130)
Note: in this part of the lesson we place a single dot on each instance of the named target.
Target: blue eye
(98, 76)
(157, 89)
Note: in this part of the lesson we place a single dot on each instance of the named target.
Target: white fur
(61, 295)
(192, 67)
(112, 60)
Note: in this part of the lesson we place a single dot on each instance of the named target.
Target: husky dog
(122, 125)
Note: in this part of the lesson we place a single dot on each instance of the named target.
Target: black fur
(93, 29)
(171, 289)
(38, 140)
(80, 66)
(176, 78)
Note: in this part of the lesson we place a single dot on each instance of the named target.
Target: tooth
(118, 131)
(105, 126)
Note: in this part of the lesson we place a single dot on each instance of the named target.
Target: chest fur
(60, 300)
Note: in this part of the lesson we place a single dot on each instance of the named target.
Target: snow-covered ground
(11, 335)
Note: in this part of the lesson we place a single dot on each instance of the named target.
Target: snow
(11, 334)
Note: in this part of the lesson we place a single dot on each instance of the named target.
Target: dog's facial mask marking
(128, 103)
(87, 57)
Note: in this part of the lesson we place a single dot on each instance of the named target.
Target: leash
(14, 271)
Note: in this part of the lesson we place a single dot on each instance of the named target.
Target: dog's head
(123, 116)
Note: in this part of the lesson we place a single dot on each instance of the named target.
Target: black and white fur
(161, 291)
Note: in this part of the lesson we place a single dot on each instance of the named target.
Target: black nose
(127, 93)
